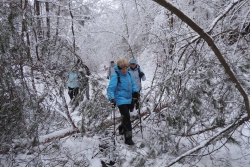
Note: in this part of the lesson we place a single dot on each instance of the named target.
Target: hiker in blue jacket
(73, 83)
(119, 91)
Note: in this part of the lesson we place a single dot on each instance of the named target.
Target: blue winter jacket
(121, 92)
(74, 79)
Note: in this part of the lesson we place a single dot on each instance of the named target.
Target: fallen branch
(57, 135)
(48, 138)
(213, 138)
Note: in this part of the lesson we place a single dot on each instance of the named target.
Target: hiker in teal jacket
(73, 83)
(119, 91)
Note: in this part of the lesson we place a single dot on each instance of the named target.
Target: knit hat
(132, 61)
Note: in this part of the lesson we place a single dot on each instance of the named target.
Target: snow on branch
(48, 138)
(216, 20)
(227, 9)
(57, 135)
(213, 138)
(212, 45)
(62, 114)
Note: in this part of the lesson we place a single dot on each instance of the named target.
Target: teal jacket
(121, 92)
(74, 79)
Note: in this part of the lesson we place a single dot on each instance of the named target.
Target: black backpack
(118, 77)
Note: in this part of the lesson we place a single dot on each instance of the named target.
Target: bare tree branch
(216, 20)
(213, 138)
(228, 8)
(212, 45)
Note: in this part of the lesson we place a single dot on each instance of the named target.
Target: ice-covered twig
(207, 142)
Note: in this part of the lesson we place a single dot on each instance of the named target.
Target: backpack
(118, 77)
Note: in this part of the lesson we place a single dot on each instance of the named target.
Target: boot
(129, 142)
(128, 138)
(121, 130)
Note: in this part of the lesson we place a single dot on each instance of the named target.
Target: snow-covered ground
(231, 155)
(79, 150)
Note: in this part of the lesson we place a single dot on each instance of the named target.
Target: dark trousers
(132, 106)
(126, 124)
(73, 92)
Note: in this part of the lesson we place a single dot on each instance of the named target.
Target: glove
(141, 74)
(112, 101)
(137, 105)
(136, 96)
(107, 77)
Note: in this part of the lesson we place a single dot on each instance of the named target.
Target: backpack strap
(139, 70)
(118, 77)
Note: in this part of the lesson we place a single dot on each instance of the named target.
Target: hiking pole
(139, 113)
(114, 124)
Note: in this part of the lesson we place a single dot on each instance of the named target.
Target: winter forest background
(194, 105)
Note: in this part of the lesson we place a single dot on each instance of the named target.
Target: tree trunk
(38, 31)
(47, 19)
(39, 22)
(72, 28)
(58, 20)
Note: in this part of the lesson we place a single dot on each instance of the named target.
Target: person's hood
(117, 69)
(132, 61)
